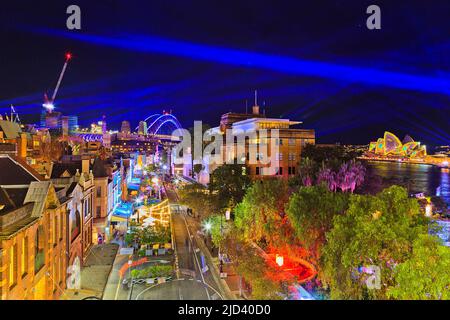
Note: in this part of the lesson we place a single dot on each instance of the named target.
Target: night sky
(313, 61)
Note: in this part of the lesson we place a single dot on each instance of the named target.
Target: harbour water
(429, 179)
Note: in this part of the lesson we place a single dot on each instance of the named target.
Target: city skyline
(224, 154)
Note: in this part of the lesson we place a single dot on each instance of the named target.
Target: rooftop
(16, 172)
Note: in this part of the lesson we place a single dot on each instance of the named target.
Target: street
(190, 283)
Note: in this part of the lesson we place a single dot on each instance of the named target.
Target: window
(99, 192)
(39, 255)
(291, 142)
(54, 275)
(56, 229)
(293, 170)
(291, 156)
(257, 171)
(13, 265)
(99, 212)
(53, 230)
(90, 206)
(259, 156)
(279, 156)
(24, 260)
(87, 207)
(75, 224)
(58, 270)
(280, 171)
(61, 228)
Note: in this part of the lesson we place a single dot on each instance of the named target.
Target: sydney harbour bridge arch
(158, 126)
(161, 124)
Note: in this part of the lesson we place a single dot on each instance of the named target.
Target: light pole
(220, 244)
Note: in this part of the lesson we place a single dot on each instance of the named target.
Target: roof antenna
(256, 97)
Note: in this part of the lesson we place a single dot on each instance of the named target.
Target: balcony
(39, 261)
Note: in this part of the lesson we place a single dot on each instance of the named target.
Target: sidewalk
(94, 273)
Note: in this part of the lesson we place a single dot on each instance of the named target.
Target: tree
(198, 168)
(425, 275)
(261, 214)
(197, 197)
(326, 154)
(228, 184)
(350, 175)
(307, 171)
(311, 211)
(219, 228)
(327, 176)
(254, 269)
(375, 231)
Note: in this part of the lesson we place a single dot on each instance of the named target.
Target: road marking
(196, 258)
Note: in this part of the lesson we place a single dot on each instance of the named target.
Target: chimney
(22, 145)
(85, 166)
(256, 107)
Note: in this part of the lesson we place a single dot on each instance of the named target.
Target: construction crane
(49, 104)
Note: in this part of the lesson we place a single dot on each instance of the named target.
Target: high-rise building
(142, 127)
(53, 120)
(104, 124)
(125, 127)
(65, 125)
(73, 123)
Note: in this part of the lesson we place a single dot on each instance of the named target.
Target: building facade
(33, 222)
(267, 146)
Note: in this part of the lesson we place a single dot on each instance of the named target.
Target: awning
(119, 218)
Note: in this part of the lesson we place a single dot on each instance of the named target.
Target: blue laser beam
(289, 65)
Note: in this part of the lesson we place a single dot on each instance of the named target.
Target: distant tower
(256, 107)
(65, 125)
(125, 128)
(142, 127)
(104, 124)
(73, 123)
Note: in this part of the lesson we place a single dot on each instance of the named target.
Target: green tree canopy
(228, 184)
(197, 197)
(254, 269)
(311, 211)
(219, 228)
(425, 276)
(329, 154)
(375, 230)
(261, 214)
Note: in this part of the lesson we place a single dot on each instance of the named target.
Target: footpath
(94, 273)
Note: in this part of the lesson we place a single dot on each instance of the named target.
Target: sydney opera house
(390, 145)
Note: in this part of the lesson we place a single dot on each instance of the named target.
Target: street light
(207, 226)
(428, 210)
(279, 260)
